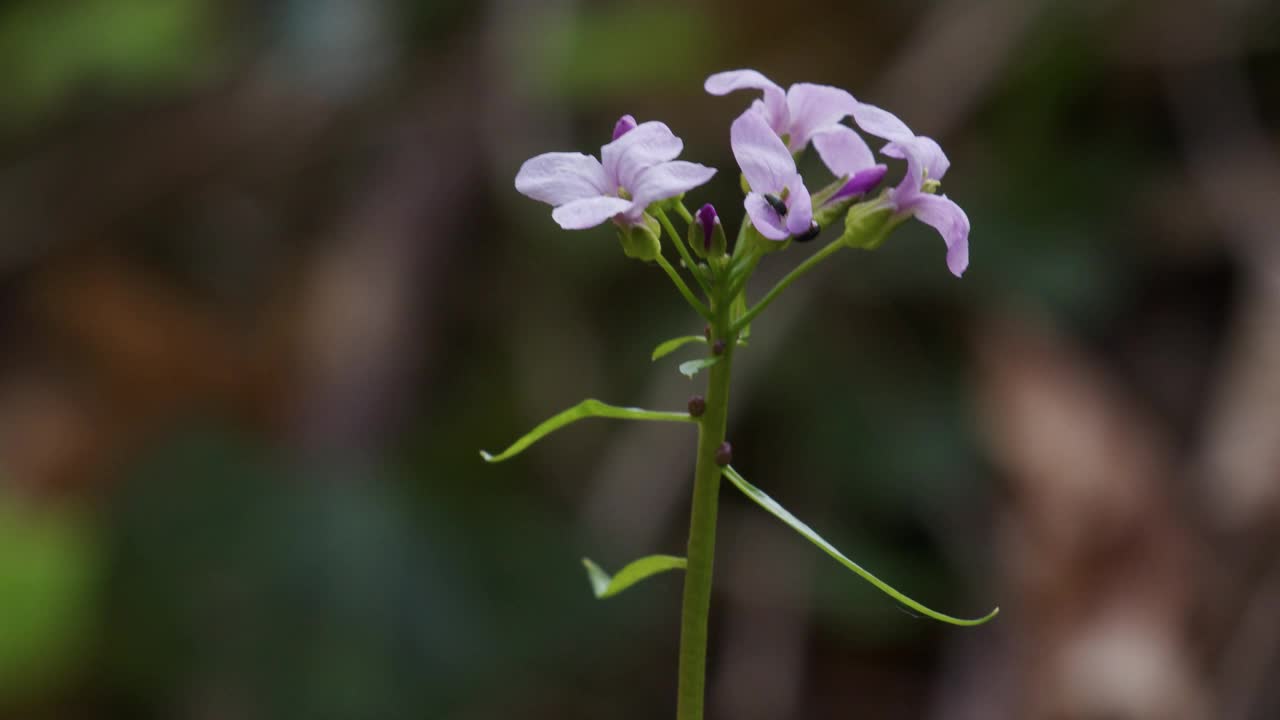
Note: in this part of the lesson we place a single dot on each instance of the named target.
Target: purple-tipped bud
(707, 218)
(861, 182)
(625, 124)
(724, 454)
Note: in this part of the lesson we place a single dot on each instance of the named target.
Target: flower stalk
(696, 608)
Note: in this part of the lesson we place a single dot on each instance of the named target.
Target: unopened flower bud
(697, 405)
(641, 241)
(625, 124)
(724, 454)
(706, 234)
(717, 347)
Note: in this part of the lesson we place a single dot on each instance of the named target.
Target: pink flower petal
(765, 218)
(590, 212)
(558, 178)
(648, 144)
(843, 151)
(942, 214)
(813, 107)
(668, 180)
(775, 100)
(765, 161)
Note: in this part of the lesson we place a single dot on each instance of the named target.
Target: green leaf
(693, 367)
(604, 586)
(674, 344)
(585, 409)
(768, 503)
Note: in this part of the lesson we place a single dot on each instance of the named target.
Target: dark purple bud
(862, 181)
(707, 218)
(697, 405)
(625, 124)
(724, 454)
(717, 347)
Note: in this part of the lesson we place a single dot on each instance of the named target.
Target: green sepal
(760, 498)
(604, 586)
(693, 367)
(674, 204)
(697, 241)
(828, 214)
(585, 409)
(868, 225)
(642, 242)
(674, 344)
(742, 183)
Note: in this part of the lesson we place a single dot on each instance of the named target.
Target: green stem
(683, 288)
(683, 212)
(702, 527)
(684, 252)
(791, 277)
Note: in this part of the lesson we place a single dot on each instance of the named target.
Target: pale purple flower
(778, 204)
(638, 168)
(925, 162)
(796, 114)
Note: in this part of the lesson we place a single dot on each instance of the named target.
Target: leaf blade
(585, 409)
(693, 367)
(603, 586)
(773, 507)
(674, 344)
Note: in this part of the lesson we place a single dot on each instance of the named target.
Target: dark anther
(814, 230)
(777, 204)
(697, 405)
(724, 454)
(717, 347)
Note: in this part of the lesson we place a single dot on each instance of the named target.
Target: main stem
(702, 526)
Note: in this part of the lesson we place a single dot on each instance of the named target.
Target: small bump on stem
(706, 332)
(724, 454)
(697, 405)
(717, 347)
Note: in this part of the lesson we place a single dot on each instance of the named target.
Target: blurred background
(266, 288)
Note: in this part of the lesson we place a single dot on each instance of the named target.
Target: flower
(795, 115)
(708, 219)
(638, 168)
(778, 204)
(706, 234)
(926, 164)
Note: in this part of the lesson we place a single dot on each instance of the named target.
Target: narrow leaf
(768, 503)
(585, 409)
(674, 344)
(604, 586)
(693, 367)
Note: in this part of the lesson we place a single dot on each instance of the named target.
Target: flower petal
(799, 206)
(922, 153)
(668, 180)
(765, 219)
(843, 151)
(775, 100)
(764, 160)
(880, 123)
(941, 213)
(558, 178)
(813, 107)
(590, 212)
(648, 144)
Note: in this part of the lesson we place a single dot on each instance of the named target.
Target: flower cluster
(638, 168)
